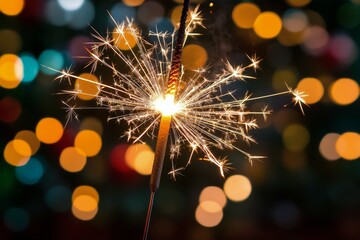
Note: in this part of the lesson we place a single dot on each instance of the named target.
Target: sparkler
(154, 93)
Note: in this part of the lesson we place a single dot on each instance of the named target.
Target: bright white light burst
(205, 114)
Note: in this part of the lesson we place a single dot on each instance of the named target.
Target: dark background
(317, 199)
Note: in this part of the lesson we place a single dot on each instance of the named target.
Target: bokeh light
(343, 48)
(298, 3)
(31, 67)
(17, 152)
(348, 145)
(89, 141)
(31, 172)
(133, 3)
(313, 88)
(58, 198)
(237, 188)
(51, 59)
(85, 201)
(245, 14)
(10, 41)
(327, 146)
(208, 219)
(29, 137)
(49, 130)
(120, 12)
(140, 157)
(267, 25)
(295, 20)
(296, 137)
(70, 5)
(194, 56)
(91, 123)
(87, 86)
(213, 194)
(344, 91)
(10, 109)
(11, 71)
(124, 38)
(72, 159)
(12, 8)
(315, 40)
(176, 14)
(149, 11)
(16, 219)
(283, 78)
(117, 158)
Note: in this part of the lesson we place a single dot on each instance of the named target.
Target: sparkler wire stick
(165, 121)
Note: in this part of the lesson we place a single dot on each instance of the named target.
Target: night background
(308, 187)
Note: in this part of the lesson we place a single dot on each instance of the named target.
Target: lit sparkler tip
(298, 98)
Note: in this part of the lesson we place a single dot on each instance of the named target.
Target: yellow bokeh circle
(237, 188)
(194, 57)
(89, 141)
(245, 14)
(11, 71)
(30, 138)
(267, 25)
(72, 159)
(17, 152)
(87, 86)
(208, 219)
(124, 37)
(312, 88)
(348, 145)
(11, 7)
(344, 91)
(85, 190)
(296, 137)
(49, 130)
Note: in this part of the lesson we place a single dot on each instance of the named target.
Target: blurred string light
(237, 188)
(89, 142)
(10, 109)
(76, 14)
(283, 77)
(72, 159)
(267, 25)
(344, 91)
(91, 123)
(209, 212)
(327, 146)
(125, 39)
(58, 198)
(314, 89)
(298, 3)
(49, 130)
(296, 137)
(31, 172)
(120, 12)
(85, 200)
(343, 49)
(12, 8)
(140, 157)
(150, 11)
(348, 15)
(31, 67)
(11, 71)
(70, 5)
(87, 90)
(51, 59)
(30, 138)
(348, 145)
(10, 41)
(194, 57)
(17, 152)
(16, 219)
(245, 14)
(315, 40)
(117, 158)
(133, 3)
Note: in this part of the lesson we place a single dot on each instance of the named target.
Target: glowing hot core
(166, 105)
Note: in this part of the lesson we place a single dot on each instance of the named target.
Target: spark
(205, 114)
